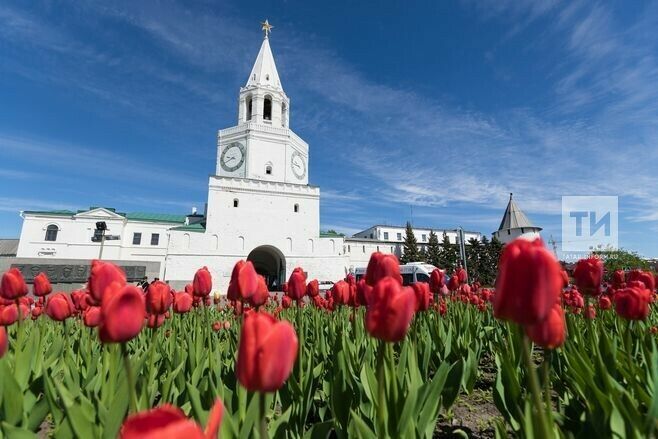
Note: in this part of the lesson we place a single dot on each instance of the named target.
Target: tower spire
(266, 27)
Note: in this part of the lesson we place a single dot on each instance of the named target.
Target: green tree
(422, 254)
(620, 260)
(434, 250)
(449, 254)
(474, 259)
(410, 251)
(491, 255)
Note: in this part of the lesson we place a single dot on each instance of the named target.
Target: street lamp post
(101, 228)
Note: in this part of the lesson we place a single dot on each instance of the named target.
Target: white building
(515, 224)
(260, 207)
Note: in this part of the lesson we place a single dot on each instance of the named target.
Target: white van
(411, 272)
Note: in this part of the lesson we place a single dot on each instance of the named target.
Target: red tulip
(227, 325)
(155, 320)
(36, 312)
(453, 283)
(604, 302)
(362, 291)
(202, 283)
(642, 276)
(103, 275)
(549, 333)
(41, 286)
(286, 302)
(313, 288)
(267, 352)
(260, 295)
(380, 266)
(528, 284)
(632, 302)
(123, 312)
(588, 275)
(60, 307)
(12, 285)
(565, 278)
(390, 308)
(169, 422)
(189, 289)
(437, 280)
(618, 279)
(158, 297)
(216, 326)
(423, 295)
(461, 275)
(340, 292)
(182, 302)
(297, 285)
(8, 314)
(92, 316)
(590, 312)
(244, 281)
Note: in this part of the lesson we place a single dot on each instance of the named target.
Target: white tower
(262, 146)
(515, 224)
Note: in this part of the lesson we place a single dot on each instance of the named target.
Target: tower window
(267, 77)
(51, 232)
(268, 169)
(267, 109)
(249, 108)
(296, 208)
(235, 202)
(155, 238)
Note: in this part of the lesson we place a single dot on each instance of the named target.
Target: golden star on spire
(266, 27)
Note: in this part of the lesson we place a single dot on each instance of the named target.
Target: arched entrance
(271, 264)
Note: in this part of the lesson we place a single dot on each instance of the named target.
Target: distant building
(515, 224)
(390, 239)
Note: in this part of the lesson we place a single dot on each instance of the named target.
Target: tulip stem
(535, 390)
(209, 341)
(381, 394)
(129, 378)
(547, 384)
(263, 417)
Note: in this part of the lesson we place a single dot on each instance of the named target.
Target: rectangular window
(399, 236)
(137, 238)
(424, 238)
(155, 238)
(385, 235)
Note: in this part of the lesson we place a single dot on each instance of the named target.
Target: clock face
(232, 157)
(298, 165)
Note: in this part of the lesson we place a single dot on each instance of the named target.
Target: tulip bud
(267, 352)
(12, 285)
(41, 285)
(202, 284)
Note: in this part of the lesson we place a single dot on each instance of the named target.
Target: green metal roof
(155, 217)
(190, 228)
(135, 216)
(331, 235)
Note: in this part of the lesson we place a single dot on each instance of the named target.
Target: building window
(267, 109)
(51, 232)
(385, 235)
(424, 237)
(235, 202)
(155, 238)
(399, 236)
(371, 236)
(377, 248)
(364, 249)
(349, 248)
(249, 100)
(268, 169)
(137, 238)
(296, 208)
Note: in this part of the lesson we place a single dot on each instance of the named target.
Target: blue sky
(443, 106)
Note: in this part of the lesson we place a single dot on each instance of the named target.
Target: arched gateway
(271, 264)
